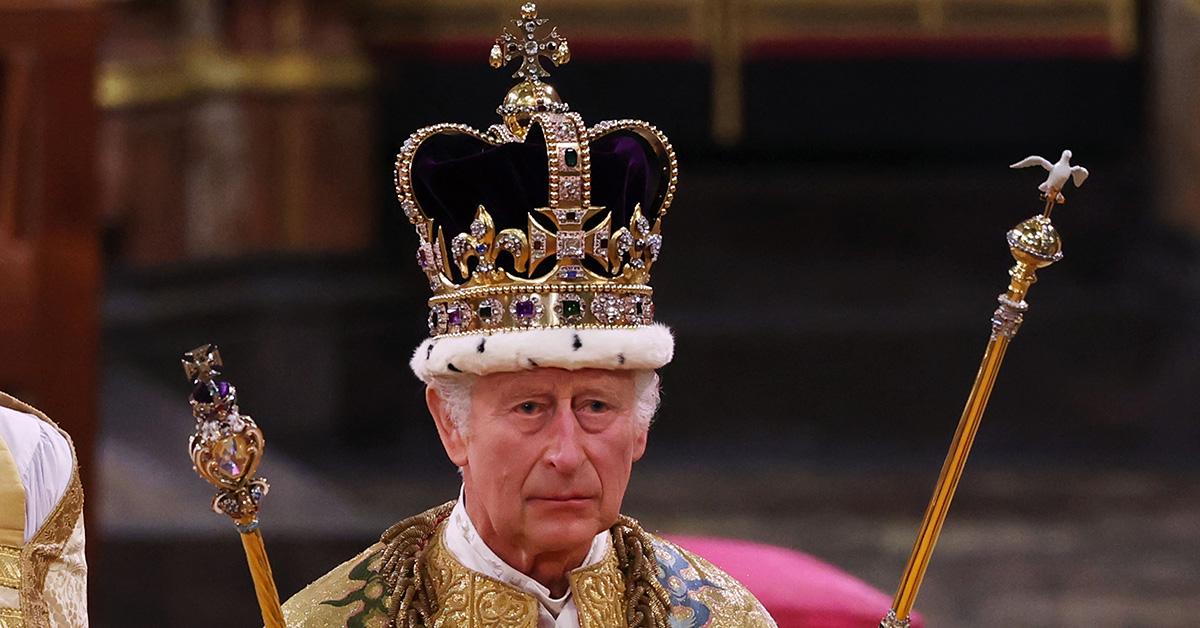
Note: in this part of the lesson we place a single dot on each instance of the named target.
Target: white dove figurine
(1059, 172)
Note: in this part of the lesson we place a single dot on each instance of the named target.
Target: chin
(565, 533)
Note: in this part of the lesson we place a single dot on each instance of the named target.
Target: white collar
(464, 542)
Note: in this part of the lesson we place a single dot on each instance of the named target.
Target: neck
(550, 568)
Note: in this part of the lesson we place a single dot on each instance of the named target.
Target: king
(537, 237)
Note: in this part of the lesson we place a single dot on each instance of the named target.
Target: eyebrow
(507, 393)
(598, 390)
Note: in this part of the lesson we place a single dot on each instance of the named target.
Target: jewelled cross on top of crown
(527, 46)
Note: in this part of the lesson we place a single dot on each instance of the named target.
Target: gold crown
(568, 263)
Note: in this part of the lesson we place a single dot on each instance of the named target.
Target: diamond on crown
(570, 244)
(568, 188)
(509, 242)
(608, 308)
(478, 228)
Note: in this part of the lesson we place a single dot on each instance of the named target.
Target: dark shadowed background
(180, 172)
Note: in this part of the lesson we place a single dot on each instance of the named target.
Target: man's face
(546, 456)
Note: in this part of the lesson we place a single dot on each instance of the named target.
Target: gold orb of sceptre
(1035, 242)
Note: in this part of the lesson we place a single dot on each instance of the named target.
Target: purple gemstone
(201, 393)
(481, 248)
(207, 392)
(570, 273)
(524, 309)
(455, 317)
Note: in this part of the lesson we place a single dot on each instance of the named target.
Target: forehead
(544, 379)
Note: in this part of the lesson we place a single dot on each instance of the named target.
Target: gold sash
(49, 571)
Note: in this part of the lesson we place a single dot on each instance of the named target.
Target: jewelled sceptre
(226, 450)
(1034, 244)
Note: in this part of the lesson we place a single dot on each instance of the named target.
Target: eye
(528, 407)
(596, 415)
(595, 405)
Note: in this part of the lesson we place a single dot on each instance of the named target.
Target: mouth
(563, 500)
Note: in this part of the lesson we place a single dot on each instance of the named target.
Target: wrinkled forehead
(554, 380)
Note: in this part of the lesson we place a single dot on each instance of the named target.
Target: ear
(639, 445)
(452, 437)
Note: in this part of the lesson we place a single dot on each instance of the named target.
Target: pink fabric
(798, 590)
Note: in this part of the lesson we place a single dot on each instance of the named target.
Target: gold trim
(11, 618)
(10, 567)
(45, 548)
(599, 593)
(204, 69)
(469, 598)
(481, 291)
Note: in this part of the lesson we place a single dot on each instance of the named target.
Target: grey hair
(455, 392)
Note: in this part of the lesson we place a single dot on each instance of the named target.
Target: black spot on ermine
(428, 351)
(532, 363)
(576, 343)
(453, 369)
(482, 341)
(620, 358)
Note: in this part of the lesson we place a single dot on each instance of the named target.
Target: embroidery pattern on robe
(679, 578)
(367, 598)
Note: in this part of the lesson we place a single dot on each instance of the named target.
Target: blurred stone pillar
(235, 129)
(1175, 68)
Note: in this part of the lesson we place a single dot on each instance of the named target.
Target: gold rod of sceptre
(1034, 244)
(264, 581)
(225, 451)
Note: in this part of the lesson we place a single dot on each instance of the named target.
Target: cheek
(501, 456)
(612, 455)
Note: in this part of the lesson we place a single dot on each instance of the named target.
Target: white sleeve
(44, 462)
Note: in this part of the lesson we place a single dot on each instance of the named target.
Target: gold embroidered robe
(43, 583)
(354, 594)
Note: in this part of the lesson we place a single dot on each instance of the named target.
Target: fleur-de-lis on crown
(526, 45)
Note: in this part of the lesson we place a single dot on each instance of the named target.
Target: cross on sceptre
(202, 363)
(527, 46)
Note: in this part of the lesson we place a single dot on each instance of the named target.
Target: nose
(564, 452)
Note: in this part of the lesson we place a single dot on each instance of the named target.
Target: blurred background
(180, 172)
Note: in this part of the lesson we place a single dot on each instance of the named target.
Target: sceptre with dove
(1034, 244)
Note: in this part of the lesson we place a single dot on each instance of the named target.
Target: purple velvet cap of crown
(454, 174)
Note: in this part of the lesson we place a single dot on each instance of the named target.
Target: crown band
(516, 308)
